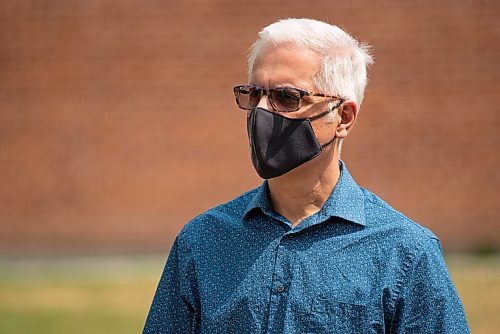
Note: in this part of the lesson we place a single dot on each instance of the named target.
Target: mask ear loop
(326, 111)
(323, 114)
(328, 142)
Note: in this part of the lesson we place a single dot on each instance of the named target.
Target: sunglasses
(284, 99)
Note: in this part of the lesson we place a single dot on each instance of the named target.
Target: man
(308, 251)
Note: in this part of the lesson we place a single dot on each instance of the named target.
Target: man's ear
(347, 111)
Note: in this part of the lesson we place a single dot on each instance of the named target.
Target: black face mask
(279, 144)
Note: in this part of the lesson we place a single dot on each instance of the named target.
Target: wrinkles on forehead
(285, 64)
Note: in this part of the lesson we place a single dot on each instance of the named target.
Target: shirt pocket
(332, 316)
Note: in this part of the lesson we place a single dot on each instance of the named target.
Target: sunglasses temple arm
(326, 111)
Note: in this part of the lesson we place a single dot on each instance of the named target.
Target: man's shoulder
(381, 215)
(222, 216)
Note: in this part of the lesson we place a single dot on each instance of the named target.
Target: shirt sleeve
(174, 308)
(429, 302)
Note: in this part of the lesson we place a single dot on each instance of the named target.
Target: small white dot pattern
(356, 266)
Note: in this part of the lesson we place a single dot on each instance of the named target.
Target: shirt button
(280, 288)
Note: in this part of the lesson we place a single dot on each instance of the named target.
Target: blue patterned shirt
(355, 266)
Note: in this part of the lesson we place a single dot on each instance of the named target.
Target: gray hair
(344, 59)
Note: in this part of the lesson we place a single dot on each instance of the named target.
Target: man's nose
(265, 103)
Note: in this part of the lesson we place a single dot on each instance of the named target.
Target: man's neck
(302, 192)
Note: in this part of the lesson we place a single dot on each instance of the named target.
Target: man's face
(290, 65)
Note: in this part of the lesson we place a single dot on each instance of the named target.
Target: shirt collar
(260, 200)
(346, 200)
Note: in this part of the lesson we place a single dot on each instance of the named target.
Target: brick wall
(118, 124)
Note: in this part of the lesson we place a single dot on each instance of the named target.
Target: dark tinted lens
(285, 99)
(248, 97)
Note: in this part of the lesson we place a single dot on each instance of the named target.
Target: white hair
(344, 59)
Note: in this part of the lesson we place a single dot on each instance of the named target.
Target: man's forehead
(285, 63)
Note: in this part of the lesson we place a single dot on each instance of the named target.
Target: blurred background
(118, 125)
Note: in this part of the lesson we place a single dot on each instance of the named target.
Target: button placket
(279, 286)
(279, 274)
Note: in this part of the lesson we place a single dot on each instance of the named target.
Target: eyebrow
(282, 85)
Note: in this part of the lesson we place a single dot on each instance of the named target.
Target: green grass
(100, 295)
(477, 280)
(112, 295)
